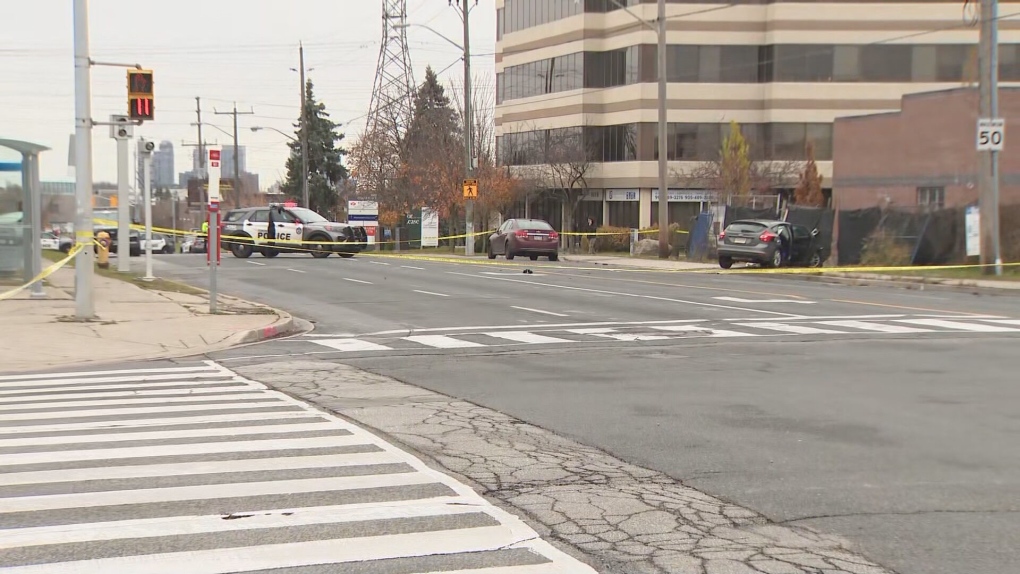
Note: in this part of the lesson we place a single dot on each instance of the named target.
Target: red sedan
(532, 237)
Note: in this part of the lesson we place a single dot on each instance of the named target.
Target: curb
(864, 279)
(285, 325)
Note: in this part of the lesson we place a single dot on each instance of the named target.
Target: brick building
(923, 155)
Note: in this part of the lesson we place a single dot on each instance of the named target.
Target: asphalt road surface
(884, 415)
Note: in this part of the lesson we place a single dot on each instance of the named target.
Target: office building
(784, 70)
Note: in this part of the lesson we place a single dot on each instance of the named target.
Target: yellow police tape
(44, 274)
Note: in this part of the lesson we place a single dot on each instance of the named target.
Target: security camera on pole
(145, 149)
(122, 130)
(212, 241)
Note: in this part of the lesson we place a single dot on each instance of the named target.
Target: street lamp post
(660, 30)
(304, 128)
(469, 168)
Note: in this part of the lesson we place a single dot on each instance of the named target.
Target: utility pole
(304, 130)
(237, 155)
(988, 159)
(201, 142)
(84, 303)
(469, 204)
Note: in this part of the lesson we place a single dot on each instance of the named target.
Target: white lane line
(632, 337)
(486, 328)
(592, 331)
(539, 311)
(255, 263)
(351, 345)
(44, 386)
(961, 326)
(770, 301)
(177, 469)
(527, 337)
(148, 421)
(136, 400)
(297, 554)
(137, 411)
(164, 373)
(159, 527)
(378, 263)
(179, 450)
(795, 329)
(877, 327)
(207, 492)
(636, 295)
(357, 281)
(1005, 321)
(296, 270)
(227, 392)
(210, 433)
(442, 342)
(413, 267)
(429, 293)
(716, 333)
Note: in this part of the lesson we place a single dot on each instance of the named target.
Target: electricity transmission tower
(391, 106)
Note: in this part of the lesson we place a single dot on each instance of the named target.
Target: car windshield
(745, 227)
(535, 224)
(307, 215)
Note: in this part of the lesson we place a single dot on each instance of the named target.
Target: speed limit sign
(991, 134)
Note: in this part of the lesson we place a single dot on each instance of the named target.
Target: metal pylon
(390, 111)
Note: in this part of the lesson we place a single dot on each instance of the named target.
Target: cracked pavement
(625, 519)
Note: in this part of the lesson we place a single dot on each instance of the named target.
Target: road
(885, 416)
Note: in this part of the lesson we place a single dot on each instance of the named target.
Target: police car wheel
(241, 250)
(270, 253)
(320, 251)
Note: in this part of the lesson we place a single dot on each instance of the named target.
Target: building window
(931, 197)
(804, 62)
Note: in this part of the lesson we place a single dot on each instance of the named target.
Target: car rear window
(533, 224)
(745, 227)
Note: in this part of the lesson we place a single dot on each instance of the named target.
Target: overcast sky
(221, 50)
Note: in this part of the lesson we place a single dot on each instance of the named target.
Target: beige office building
(785, 70)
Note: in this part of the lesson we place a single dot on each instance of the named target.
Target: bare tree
(570, 164)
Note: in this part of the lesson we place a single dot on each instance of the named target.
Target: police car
(295, 230)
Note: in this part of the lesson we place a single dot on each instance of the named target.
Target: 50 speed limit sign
(991, 134)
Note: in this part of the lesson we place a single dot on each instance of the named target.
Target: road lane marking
(442, 342)
(353, 345)
(961, 326)
(795, 329)
(877, 327)
(740, 300)
(526, 337)
(539, 311)
(378, 263)
(296, 270)
(413, 267)
(717, 333)
(1005, 321)
(638, 296)
(592, 331)
(256, 263)
(889, 306)
(357, 281)
(429, 293)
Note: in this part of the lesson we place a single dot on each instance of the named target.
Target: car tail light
(521, 233)
(554, 235)
(766, 236)
(722, 235)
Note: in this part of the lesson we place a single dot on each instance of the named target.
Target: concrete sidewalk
(132, 324)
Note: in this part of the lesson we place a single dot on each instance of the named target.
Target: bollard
(103, 250)
(633, 241)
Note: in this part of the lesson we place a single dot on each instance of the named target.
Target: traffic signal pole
(84, 302)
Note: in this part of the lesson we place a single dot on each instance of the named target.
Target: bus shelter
(21, 229)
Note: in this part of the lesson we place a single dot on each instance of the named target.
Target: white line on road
(357, 281)
(716, 333)
(352, 345)
(526, 337)
(296, 270)
(413, 267)
(442, 342)
(378, 263)
(429, 293)
(796, 329)
(256, 263)
(539, 311)
(961, 326)
(636, 295)
(877, 327)
(739, 300)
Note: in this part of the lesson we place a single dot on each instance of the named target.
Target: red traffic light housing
(141, 100)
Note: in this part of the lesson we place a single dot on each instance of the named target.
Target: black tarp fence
(820, 218)
(925, 237)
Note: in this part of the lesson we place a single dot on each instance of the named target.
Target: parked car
(49, 241)
(770, 243)
(246, 230)
(160, 244)
(532, 237)
(194, 244)
(66, 242)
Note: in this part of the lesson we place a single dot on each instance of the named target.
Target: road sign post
(212, 240)
(122, 131)
(991, 134)
(145, 149)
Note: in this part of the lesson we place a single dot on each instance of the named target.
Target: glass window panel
(803, 62)
(846, 63)
(821, 136)
(886, 63)
(632, 74)
(708, 141)
(709, 62)
(681, 63)
(1009, 62)
(952, 62)
(766, 64)
(737, 64)
(787, 141)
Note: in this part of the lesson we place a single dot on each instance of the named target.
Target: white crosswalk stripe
(204, 472)
(659, 331)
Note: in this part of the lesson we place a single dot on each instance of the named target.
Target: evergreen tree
(326, 171)
(432, 149)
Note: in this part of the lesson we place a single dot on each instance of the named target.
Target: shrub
(881, 250)
(619, 241)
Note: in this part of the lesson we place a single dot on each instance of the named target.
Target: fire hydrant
(103, 250)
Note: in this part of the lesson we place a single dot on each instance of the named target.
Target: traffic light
(141, 103)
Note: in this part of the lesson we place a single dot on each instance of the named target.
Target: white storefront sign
(622, 195)
(972, 223)
(686, 196)
(365, 213)
(429, 227)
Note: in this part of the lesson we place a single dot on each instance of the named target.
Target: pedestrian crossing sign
(470, 188)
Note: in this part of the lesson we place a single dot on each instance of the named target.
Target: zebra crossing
(199, 470)
(512, 336)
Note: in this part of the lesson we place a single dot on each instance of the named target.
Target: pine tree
(326, 170)
(809, 187)
(735, 163)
